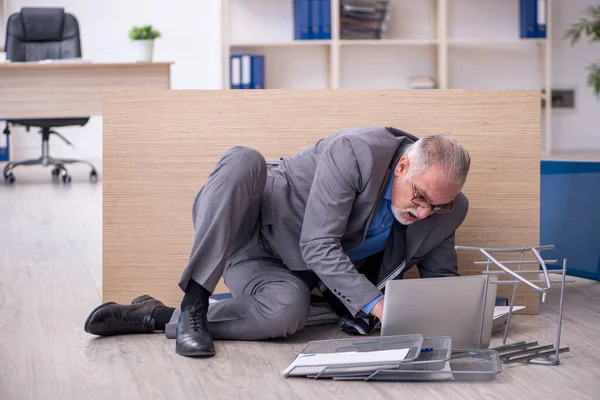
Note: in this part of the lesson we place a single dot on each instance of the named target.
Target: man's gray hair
(441, 151)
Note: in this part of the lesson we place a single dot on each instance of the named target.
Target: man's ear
(402, 166)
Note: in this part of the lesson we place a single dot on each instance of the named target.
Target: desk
(54, 90)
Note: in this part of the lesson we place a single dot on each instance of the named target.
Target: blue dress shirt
(377, 235)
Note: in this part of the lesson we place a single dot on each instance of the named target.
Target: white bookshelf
(462, 44)
(3, 18)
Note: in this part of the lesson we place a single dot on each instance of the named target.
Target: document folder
(365, 355)
(394, 358)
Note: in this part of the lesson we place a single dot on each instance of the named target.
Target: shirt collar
(388, 191)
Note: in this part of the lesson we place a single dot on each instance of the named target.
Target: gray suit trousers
(268, 300)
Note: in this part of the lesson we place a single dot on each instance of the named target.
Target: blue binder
(235, 71)
(302, 19)
(325, 19)
(315, 19)
(4, 148)
(541, 16)
(246, 80)
(533, 19)
(258, 72)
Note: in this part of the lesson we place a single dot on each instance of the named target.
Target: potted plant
(143, 39)
(590, 27)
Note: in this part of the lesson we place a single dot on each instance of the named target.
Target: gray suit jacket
(319, 203)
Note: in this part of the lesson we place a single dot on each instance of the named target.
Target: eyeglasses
(418, 200)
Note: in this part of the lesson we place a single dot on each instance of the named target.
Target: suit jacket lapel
(416, 234)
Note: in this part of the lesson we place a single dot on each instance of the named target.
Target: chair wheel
(10, 178)
(66, 178)
(93, 175)
(55, 171)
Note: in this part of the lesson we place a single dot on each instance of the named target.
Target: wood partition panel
(160, 147)
(53, 90)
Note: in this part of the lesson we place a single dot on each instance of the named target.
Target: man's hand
(377, 310)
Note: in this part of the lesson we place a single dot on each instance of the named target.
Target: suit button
(343, 296)
(349, 301)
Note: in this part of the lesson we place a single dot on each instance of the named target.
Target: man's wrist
(377, 310)
(367, 308)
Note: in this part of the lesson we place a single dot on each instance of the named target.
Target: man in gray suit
(359, 207)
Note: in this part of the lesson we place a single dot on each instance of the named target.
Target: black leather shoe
(193, 337)
(117, 319)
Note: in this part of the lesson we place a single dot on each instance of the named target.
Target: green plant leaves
(593, 78)
(143, 33)
(590, 27)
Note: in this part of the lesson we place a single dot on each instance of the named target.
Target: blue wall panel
(570, 215)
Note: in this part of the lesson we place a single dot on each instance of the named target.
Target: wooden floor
(50, 279)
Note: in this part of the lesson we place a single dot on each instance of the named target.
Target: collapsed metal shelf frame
(550, 358)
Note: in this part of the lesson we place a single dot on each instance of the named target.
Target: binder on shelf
(258, 72)
(541, 18)
(235, 71)
(532, 19)
(421, 82)
(4, 150)
(325, 19)
(246, 71)
(302, 12)
(315, 19)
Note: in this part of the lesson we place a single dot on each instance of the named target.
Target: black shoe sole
(87, 321)
(200, 353)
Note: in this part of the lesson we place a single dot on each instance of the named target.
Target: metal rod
(529, 358)
(543, 265)
(511, 262)
(514, 250)
(512, 302)
(560, 308)
(526, 271)
(521, 279)
(322, 372)
(514, 346)
(538, 349)
(485, 290)
(533, 281)
(546, 361)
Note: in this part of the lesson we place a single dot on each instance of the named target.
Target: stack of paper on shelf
(364, 19)
(421, 82)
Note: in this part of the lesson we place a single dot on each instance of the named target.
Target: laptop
(440, 307)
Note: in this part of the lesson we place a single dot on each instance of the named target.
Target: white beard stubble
(398, 214)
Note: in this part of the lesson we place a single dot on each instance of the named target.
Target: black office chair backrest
(44, 33)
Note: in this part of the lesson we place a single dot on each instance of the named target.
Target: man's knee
(245, 157)
(245, 163)
(287, 312)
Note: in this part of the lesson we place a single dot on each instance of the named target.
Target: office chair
(36, 34)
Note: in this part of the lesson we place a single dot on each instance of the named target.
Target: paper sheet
(500, 311)
(310, 364)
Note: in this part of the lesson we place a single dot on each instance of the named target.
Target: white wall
(190, 37)
(191, 32)
(579, 128)
(516, 68)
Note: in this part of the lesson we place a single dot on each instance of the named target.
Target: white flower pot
(143, 50)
